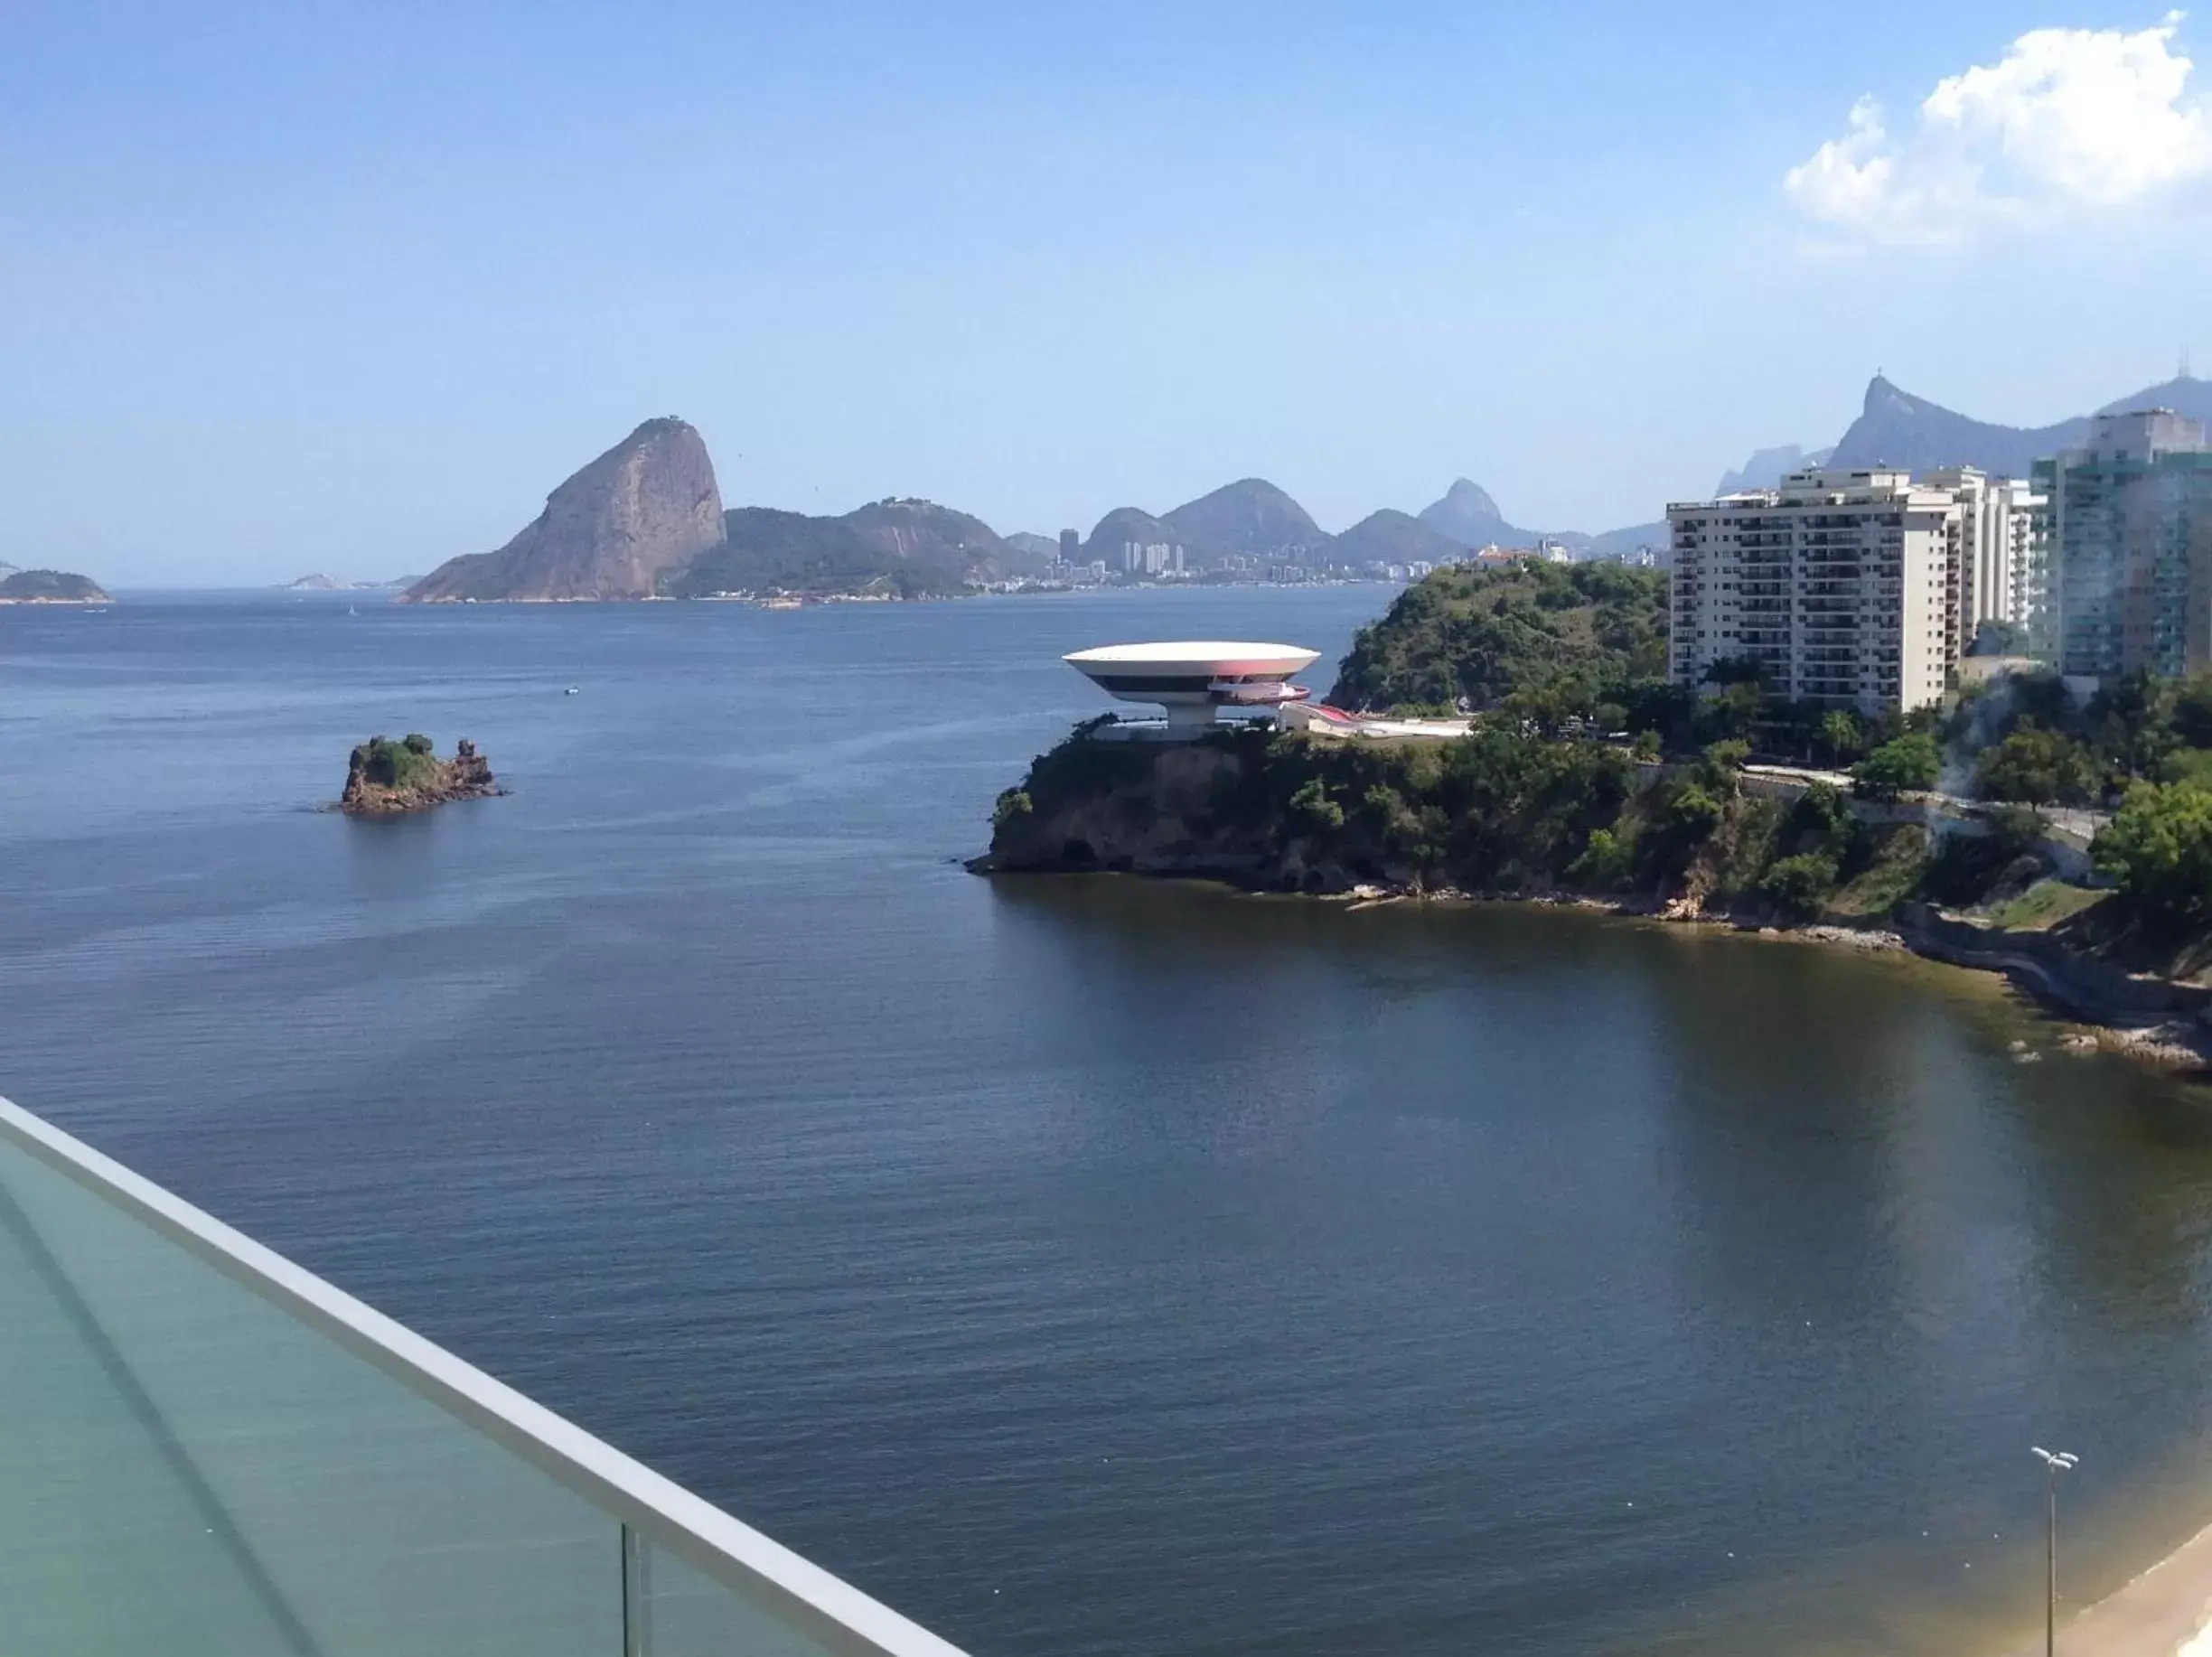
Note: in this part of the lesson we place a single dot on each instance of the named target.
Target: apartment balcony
(206, 1451)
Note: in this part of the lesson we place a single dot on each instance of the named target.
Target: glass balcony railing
(206, 1451)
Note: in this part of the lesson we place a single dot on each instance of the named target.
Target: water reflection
(1756, 1266)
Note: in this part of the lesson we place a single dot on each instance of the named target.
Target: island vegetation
(50, 586)
(384, 777)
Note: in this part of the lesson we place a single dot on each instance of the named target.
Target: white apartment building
(1151, 559)
(1997, 531)
(2023, 512)
(1846, 587)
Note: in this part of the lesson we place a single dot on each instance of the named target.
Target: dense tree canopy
(2159, 849)
(1581, 632)
(2035, 766)
(1908, 762)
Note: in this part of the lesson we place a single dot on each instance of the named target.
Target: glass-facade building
(2121, 567)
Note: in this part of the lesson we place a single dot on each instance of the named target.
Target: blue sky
(329, 286)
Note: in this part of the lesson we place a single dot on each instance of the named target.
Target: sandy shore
(2166, 1612)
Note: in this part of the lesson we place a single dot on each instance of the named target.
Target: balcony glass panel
(187, 1469)
(689, 1613)
(207, 1453)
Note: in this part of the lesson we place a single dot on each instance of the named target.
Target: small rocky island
(48, 586)
(385, 778)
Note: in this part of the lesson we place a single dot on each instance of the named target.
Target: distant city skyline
(350, 291)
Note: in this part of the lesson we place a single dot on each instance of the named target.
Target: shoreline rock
(390, 779)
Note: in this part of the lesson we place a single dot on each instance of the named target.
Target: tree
(1013, 804)
(1693, 814)
(1717, 770)
(1841, 739)
(2037, 767)
(1907, 762)
(1656, 705)
(1730, 712)
(2158, 847)
(1605, 861)
(1314, 808)
(2192, 711)
(2130, 724)
(415, 742)
(1736, 670)
(1996, 638)
(2015, 830)
(1820, 811)
(1800, 886)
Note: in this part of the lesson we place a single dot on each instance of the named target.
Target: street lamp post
(2053, 1464)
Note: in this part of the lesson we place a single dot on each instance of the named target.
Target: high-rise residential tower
(1841, 587)
(2121, 568)
(1997, 516)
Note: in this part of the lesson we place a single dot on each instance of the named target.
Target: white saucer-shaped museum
(1194, 678)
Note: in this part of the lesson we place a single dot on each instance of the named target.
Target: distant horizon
(358, 582)
(339, 290)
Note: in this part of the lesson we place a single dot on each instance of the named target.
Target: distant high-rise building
(1844, 587)
(1997, 519)
(2119, 568)
(2019, 509)
(1071, 543)
(1133, 557)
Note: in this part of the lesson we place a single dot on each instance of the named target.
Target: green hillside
(765, 550)
(1481, 635)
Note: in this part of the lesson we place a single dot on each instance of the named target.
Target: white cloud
(2067, 122)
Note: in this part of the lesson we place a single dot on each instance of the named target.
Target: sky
(329, 286)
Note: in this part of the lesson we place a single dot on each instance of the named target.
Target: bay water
(1087, 1264)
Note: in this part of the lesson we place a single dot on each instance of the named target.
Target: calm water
(1090, 1267)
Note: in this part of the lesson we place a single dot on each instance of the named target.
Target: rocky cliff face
(1142, 808)
(648, 506)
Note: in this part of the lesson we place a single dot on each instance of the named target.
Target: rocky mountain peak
(648, 506)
